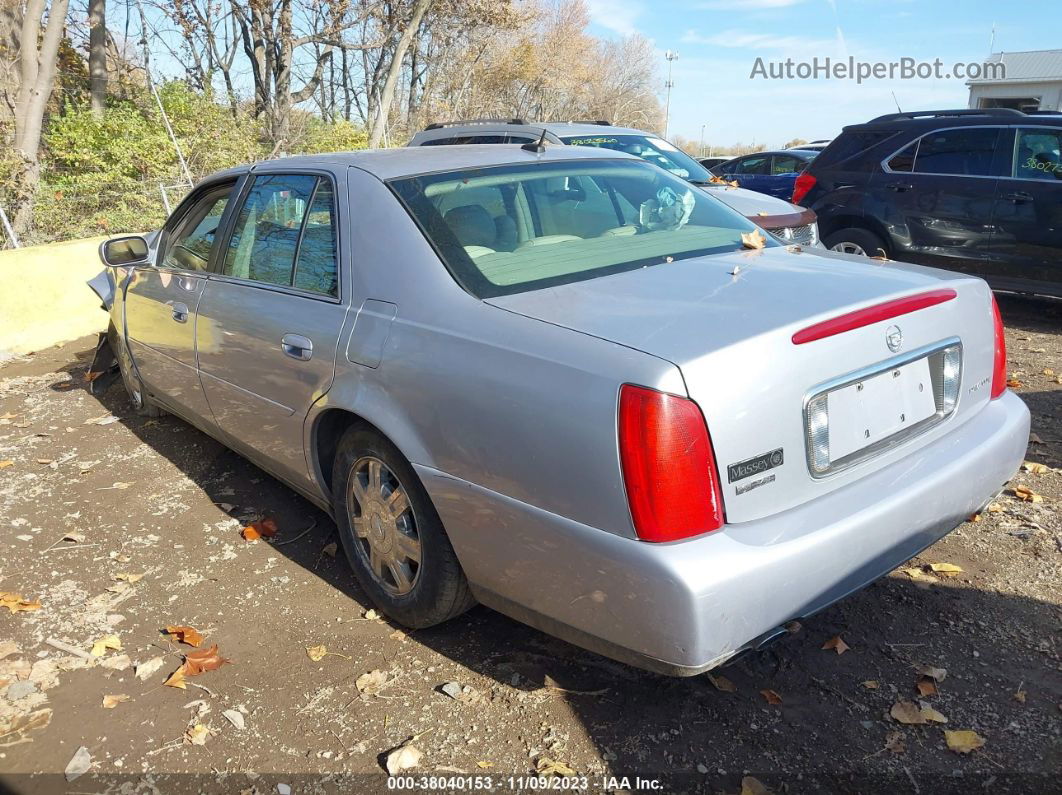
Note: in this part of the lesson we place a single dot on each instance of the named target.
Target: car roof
(962, 117)
(557, 128)
(388, 164)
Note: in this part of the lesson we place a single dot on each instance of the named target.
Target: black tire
(142, 405)
(439, 588)
(870, 244)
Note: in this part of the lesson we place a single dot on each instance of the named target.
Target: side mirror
(129, 250)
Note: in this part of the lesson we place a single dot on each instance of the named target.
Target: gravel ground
(121, 526)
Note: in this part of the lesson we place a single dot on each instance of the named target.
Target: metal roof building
(1033, 82)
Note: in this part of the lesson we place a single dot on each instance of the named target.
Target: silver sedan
(570, 386)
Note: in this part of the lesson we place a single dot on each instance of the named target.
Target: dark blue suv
(978, 191)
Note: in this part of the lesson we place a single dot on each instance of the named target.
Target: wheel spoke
(374, 476)
(409, 547)
(361, 527)
(397, 503)
(376, 562)
(400, 571)
(358, 489)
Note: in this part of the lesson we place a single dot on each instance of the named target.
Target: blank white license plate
(868, 411)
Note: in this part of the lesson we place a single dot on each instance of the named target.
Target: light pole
(671, 56)
(701, 150)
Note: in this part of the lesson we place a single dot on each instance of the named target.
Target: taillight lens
(669, 468)
(999, 366)
(804, 183)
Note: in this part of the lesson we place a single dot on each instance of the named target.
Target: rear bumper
(685, 607)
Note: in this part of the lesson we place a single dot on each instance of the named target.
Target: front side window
(513, 228)
(189, 246)
(265, 237)
(1038, 154)
(963, 152)
(753, 165)
(653, 150)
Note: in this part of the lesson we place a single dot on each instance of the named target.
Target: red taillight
(872, 314)
(804, 183)
(999, 365)
(668, 466)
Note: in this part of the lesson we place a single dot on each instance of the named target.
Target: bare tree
(388, 93)
(97, 61)
(36, 75)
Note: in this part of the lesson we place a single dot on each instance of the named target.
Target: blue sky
(718, 42)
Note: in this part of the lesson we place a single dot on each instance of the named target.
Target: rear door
(1028, 214)
(162, 298)
(784, 170)
(936, 196)
(271, 314)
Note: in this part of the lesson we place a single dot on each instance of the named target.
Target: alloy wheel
(849, 248)
(385, 529)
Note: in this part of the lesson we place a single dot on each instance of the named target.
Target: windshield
(513, 228)
(653, 150)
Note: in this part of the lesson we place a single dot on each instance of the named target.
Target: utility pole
(701, 150)
(671, 56)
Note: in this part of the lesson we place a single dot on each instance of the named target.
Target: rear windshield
(509, 229)
(652, 150)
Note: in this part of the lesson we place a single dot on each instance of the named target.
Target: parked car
(711, 162)
(813, 146)
(978, 191)
(784, 220)
(773, 173)
(559, 383)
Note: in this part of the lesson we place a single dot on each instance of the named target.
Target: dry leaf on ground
(963, 741)
(913, 714)
(235, 717)
(371, 682)
(100, 647)
(551, 767)
(17, 604)
(720, 682)
(836, 644)
(110, 702)
(266, 528)
(771, 697)
(176, 679)
(197, 734)
(926, 686)
(1035, 467)
(931, 714)
(199, 662)
(1026, 494)
(936, 674)
(129, 578)
(947, 569)
(403, 758)
(6, 464)
(371, 615)
(894, 742)
(914, 574)
(1019, 695)
(753, 786)
(871, 684)
(316, 653)
(189, 636)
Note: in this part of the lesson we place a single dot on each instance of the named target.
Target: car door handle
(1018, 197)
(297, 347)
(899, 187)
(180, 313)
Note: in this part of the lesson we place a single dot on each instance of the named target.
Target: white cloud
(746, 5)
(619, 16)
(750, 40)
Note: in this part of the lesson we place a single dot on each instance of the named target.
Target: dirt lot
(159, 499)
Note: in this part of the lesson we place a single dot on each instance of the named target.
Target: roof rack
(1043, 112)
(441, 124)
(936, 114)
(599, 122)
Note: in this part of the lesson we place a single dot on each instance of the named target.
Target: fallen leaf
(551, 767)
(79, 763)
(753, 240)
(316, 653)
(871, 684)
(235, 717)
(947, 569)
(994, 507)
(199, 662)
(1019, 696)
(129, 578)
(75, 536)
(484, 764)
(1027, 494)
(930, 672)
(914, 574)
(931, 714)
(176, 679)
(1048, 372)
(197, 734)
(266, 528)
(6, 464)
(330, 549)
(371, 615)
(753, 786)
(926, 686)
(771, 697)
(17, 604)
(1014, 383)
(148, 667)
(963, 741)
(99, 648)
(110, 702)
(907, 712)
(836, 644)
(402, 758)
(1035, 439)
(250, 534)
(894, 742)
(720, 682)
(187, 635)
(370, 682)
(1035, 468)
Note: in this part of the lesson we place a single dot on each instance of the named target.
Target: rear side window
(787, 164)
(962, 152)
(285, 234)
(467, 139)
(1038, 154)
(851, 143)
(904, 159)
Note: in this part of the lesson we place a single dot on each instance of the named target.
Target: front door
(1028, 214)
(936, 197)
(161, 301)
(751, 172)
(270, 317)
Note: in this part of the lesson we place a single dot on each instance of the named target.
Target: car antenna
(896, 101)
(539, 146)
